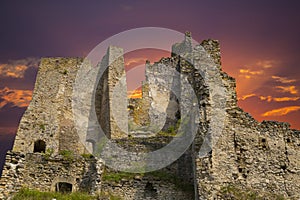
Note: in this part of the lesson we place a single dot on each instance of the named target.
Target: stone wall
(41, 172)
(163, 81)
(232, 157)
(111, 96)
(158, 109)
(235, 155)
(49, 116)
(174, 181)
(138, 109)
(182, 168)
(258, 159)
(140, 188)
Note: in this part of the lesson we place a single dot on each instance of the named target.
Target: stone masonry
(111, 95)
(232, 156)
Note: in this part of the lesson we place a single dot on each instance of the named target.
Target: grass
(28, 194)
(117, 176)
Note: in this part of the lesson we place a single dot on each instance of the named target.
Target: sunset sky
(259, 45)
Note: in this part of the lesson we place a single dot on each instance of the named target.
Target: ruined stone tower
(111, 95)
(48, 120)
(47, 128)
(232, 155)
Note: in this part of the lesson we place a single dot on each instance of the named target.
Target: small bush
(87, 155)
(48, 153)
(65, 72)
(67, 154)
(42, 127)
(171, 129)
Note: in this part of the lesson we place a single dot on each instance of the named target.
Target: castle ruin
(245, 159)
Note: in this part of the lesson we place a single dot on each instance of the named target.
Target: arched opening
(39, 146)
(63, 187)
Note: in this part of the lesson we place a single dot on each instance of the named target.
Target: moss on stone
(67, 154)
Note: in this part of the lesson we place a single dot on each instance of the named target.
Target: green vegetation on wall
(29, 194)
(67, 155)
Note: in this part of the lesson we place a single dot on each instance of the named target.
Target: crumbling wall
(163, 81)
(42, 172)
(49, 116)
(158, 109)
(48, 127)
(138, 113)
(140, 188)
(111, 95)
(248, 157)
(261, 159)
(242, 158)
(171, 182)
(232, 156)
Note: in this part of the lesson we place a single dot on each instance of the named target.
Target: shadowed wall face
(111, 94)
(6, 140)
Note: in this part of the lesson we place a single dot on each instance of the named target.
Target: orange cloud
(283, 79)
(135, 61)
(267, 98)
(12, 71)
(289, 89)
(281, 111)
(281, 99)
(278, 99)
(270, 98)
(244, 97)
(17, 68)
(265, 63)
(260, 70)
(135, 94)
(248, 71)
(20, 98)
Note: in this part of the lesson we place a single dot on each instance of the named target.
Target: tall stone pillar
(111, 96)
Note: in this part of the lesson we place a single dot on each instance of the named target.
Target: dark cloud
(10, 115)
(25, 83)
